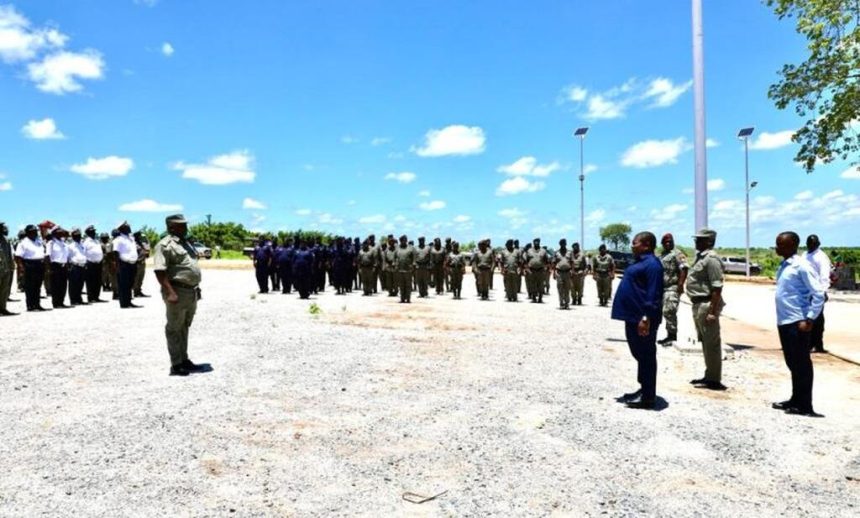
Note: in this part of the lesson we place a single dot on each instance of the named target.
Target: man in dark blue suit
(639, 303)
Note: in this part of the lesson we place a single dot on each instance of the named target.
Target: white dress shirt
(799, 295)
(93, 250)
(58, 251)
(126, 248)
(77, 253)
(28, 249)
(820, 265)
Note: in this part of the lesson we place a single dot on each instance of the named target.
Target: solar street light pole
(744, 135)
(700, 183)
(580, 132)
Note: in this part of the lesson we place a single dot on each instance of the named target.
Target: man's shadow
(203, 368)
(660, 403)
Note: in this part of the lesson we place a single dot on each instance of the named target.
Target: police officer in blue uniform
(262, 263)
(303, 269)
(284, 258)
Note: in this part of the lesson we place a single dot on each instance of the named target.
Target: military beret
(76, 230)
(30, 228)
(706, 232)
(90, 227)
(175, 218)
(123, 223)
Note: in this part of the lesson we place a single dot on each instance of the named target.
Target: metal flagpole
(701, 169)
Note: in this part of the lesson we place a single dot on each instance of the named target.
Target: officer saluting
(175, 266)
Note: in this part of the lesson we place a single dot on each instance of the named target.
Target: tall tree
(824, 89)
(616, 233)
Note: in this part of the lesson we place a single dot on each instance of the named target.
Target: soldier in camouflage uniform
(422, 267)
(448, 249)
(536, 260)
(510, 264)
(391, 267)
(519, 252)
(705, 289)
(674, 277)
(547, 274)
(483, 263)
(562, 263)
(437, 258)
(578, 273)
(366, 264)
(603, 269)
(455, 266)
(143, 249)
(404, 263)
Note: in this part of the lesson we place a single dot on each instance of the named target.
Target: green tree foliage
(824, 89)
(228, 235)
(152, 235)
(618, 234)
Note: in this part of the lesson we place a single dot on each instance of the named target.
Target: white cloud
(404, 177)
(528, 166)
(104, 168)
(5, 186)
(511, 213)
(595, 216)
(711, 143)
(372, 220)
(327, 219)
(59, 73)
(303, 212)
(235, 167)
(167, 49)
(147, 205)
(667, 213)
(432, 205)
(351, 202)
(852, 173)
(574, 93)
(687, 190)
(600, 107)
(664, 93)
(717, 184)
(589, 168)
(767, 140)
(380, 141)
(251, 203)
(452, 140)
(461, 218)
(653, 153)
(44, 129)
(20, 41)
(424, 194)
(804, 195)
(349, 139)
(518, 184)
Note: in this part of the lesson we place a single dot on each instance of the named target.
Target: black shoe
(819, 350)
(61, 306)
(808, 412)
(14, 300)
(714, 385)
(700, 381)
(630, 396)
(191, 366)
(98, 301)
(130, 306)
(179, 370)
(783, 405)
(640, 402)
(141, 295)
(6, 313)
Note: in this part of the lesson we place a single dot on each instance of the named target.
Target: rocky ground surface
(507, 408)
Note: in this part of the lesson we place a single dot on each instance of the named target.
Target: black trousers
(125, 281)
(285, 271)
(795, 349)
(34, 274)
(59, 284)
(262, 274)
(816, 339)
(644, 350)
(304, 283)
(94, 281)
(77, 275)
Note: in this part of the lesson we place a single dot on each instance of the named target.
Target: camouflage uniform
(673, 263)
(510, 263)
(580, 268)
(705, 275)
(562, 265)
(602, 266)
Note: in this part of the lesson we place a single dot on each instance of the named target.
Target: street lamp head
(580, 132)
(745, 132)
(753, 185)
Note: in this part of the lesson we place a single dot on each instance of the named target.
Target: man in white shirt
(799, 299)
(821, 266)
(125, 260)
(58, 253)
(30, 257)
(77, 268)
(94, 255)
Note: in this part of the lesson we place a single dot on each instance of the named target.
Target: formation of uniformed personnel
(535, 263)
(510, 263)
(423, 265)
(284, 260)
(404, 262)
(578, 273)
(125, 261)
(455, 266)
(30, 257)
(7, 268)
(705, 288)
(302, 269)
(674, 277)
(483, 263)
(603, 270)
(342, 262)
(143, 250)
(562, 264)
(175, 266)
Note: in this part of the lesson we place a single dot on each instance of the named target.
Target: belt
(79, 265)
(128, 262)
(699, 300)
(33, 261)
(178, 284)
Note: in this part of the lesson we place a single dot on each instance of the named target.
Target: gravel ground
(508, 407)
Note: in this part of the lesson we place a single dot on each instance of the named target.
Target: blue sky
(439, 118)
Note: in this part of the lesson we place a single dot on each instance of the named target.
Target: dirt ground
(509, 409)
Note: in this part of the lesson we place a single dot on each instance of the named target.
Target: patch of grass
(314, 309)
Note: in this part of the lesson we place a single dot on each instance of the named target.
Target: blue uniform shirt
(303, 261)
(799, 295)
(640, 293)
